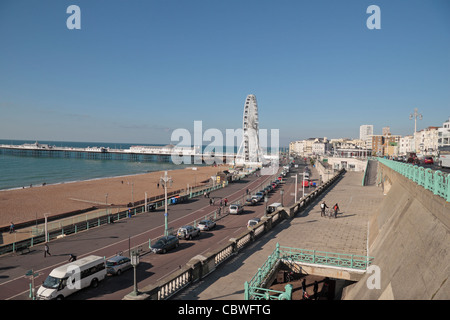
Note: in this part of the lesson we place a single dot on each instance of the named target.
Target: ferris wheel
(250, 150)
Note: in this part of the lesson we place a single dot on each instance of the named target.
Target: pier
(134, 153)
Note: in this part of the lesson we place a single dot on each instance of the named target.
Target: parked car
(305, 183)
(251, 201)
(273, 207)
(236, 209)
(259, 195)
(164, 244)
(206, 225)
(188, 232)
(428, 160)
(253, 222)
(116, 265)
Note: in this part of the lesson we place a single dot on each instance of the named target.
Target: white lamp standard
(134, 263)
(164, 180)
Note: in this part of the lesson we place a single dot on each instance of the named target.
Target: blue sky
(137, 70)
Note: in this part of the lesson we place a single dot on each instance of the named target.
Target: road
(109, 239)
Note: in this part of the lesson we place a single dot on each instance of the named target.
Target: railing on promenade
(72, 225)
(437, 182)
(256, 289)
(330, 259)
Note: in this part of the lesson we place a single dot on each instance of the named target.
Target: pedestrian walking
(46, 250)
(72, 257)
(157, 185)
(304, 288)
(12, 228)
(226, 201)
(323, 206)
(336, 209)
(221, 202)
(316, 289)
(210, 202)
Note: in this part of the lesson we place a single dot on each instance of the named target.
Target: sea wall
(409, 240)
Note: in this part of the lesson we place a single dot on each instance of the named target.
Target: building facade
(365, 133)
(444, 134)
(426, 140)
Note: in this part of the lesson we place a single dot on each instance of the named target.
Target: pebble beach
(22, 205)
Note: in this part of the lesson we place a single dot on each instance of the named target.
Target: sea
(17, 172)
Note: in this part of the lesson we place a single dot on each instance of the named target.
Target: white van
(273, 207)
(71, 277)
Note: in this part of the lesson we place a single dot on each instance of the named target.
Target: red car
(428, 160)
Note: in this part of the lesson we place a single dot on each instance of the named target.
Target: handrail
(255, 288)
(437, 181)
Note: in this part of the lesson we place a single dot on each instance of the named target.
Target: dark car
(151, 207)
(163, 244)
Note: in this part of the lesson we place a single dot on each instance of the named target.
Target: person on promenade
(46, 250)
(316, 289)
(304, 294)
(226, 202)
(323, 206)
(12, 228)
(336, 209)
(210, 202)
(72, 257)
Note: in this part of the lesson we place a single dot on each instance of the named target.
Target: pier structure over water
(134, 153)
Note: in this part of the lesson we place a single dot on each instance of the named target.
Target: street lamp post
(46, 227)
(134, 263)
(282, 193)
(164, 180)
(415, 116)
(266, 200)
(295, 194)
(303, 184)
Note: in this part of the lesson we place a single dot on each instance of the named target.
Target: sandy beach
(22, 205)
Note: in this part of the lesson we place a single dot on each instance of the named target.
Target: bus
(72, 277)
(444, 156)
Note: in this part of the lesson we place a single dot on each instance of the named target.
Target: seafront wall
(409, 240)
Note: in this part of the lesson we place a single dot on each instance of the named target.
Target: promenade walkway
(308, 230)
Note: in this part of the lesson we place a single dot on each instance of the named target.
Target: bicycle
(329, 212)
(289, 276)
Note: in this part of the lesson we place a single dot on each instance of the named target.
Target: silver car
(206, 225)
(116, 265)
(236, 209)
(188, 232)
